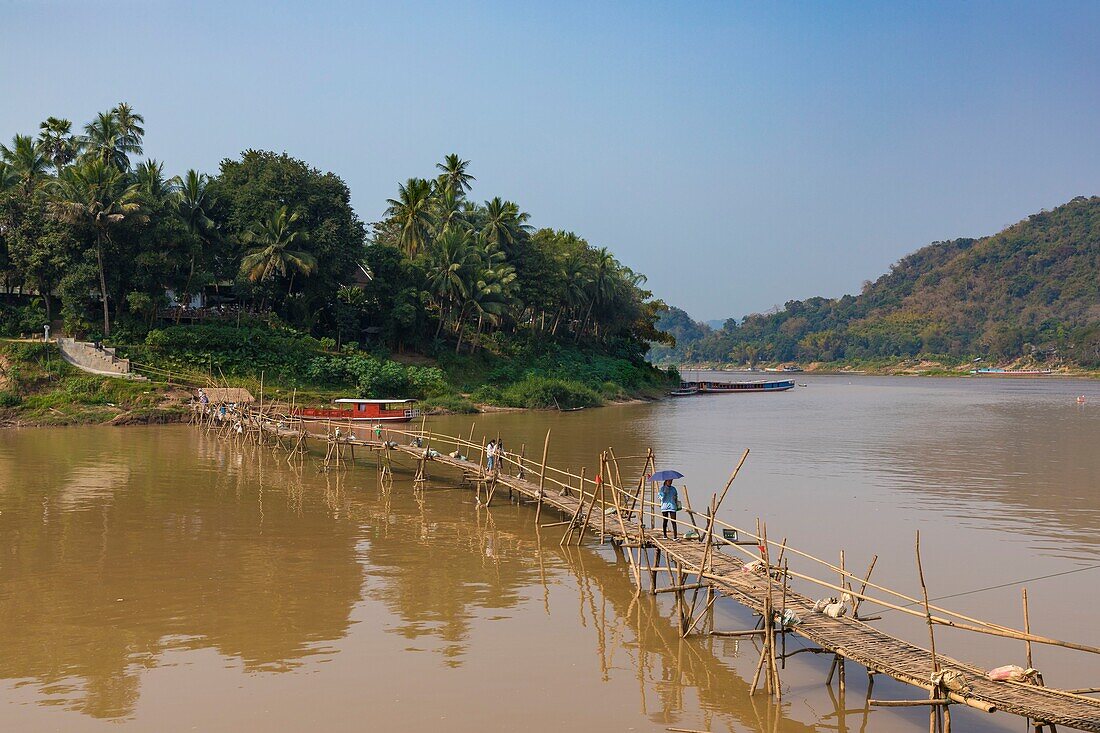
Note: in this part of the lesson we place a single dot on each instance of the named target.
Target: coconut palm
(493, 293)
(105, 138)
(575, 279)
(26, 161)
(504, 225)
(449, 212)
(454, 177)
(451, 262)
(130, 124)
(603, 279)
(149, 176)
(412, 211)
(8, 178)
(272, 252)
(98, 196)
(55, 138)
(194, 204)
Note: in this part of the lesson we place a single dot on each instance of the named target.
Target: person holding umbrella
(670, 500)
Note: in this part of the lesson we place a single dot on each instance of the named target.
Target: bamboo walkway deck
(845, 637)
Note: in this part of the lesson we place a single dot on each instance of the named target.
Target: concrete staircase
(96, 360)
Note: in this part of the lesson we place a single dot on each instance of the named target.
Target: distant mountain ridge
(1030, 290)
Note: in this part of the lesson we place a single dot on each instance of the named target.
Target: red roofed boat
(356, 410)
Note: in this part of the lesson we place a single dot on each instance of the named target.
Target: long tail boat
(688, 389)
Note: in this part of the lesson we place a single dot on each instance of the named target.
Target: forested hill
(1033, 290)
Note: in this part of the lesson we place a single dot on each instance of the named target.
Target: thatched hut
(229, 395)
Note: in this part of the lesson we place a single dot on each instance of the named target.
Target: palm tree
(412, 212)
(55, 137)
(451, 260)
(105, 138)
(26, 161)
(194, 204)
(99, 196)
(493, 293)
(129, 124)
(603, 277)
(454, 177)
(272, 253)
(449, 213)
(8, 178)
(575, 280)
(149, 176)
(504, 225)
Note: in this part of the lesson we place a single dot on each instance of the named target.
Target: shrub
(488, 395)
(545, 392)
(9, 399)
(450, 403)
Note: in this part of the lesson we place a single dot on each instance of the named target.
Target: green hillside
(1033, 290)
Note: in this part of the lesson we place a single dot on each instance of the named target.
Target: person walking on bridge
(670, 504)
(491, 456)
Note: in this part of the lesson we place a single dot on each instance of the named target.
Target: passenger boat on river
(688, 389)
(356, 410)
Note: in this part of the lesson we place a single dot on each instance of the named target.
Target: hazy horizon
(738, 155)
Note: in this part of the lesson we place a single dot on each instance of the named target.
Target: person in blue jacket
(670, 504)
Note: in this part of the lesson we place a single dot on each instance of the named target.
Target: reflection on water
(166, 580)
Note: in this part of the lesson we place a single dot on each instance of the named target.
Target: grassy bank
(38, 388)
(534, 375)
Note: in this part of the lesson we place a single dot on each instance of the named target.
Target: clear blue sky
(739, 154)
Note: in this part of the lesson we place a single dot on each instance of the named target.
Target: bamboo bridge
(712, 559)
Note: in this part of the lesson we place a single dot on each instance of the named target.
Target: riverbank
(38, 388)
(897, 368)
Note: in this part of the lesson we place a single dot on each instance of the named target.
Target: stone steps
(102, 361)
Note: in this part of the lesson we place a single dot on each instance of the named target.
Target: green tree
(55, 138)
(454, 178)
(450, 266)
(26, 162)
(253, 188)
(195, 204)
(96, 196)
(105, 139)
(272, 250)
(412, 211)
(504, 225)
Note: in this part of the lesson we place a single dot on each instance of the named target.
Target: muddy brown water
(160, 579)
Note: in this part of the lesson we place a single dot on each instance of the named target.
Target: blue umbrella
(666, 475)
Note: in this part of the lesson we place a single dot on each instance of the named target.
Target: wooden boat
(775, 385)
(996, 372)
(362, 411)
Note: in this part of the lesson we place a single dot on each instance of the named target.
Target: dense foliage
(1032, 290)
(96, 238)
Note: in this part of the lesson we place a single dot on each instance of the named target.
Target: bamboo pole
(588, 512)
(542, 476)
(603, 497)
(863, 588)
(733, 476)
(622, 527)
(984, 627)
(1027, 629)
(573, 520)
(933, 716)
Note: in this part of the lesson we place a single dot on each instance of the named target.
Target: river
(160, 579)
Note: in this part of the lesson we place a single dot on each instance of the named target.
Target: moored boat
(998, 372)
(357, 410)
(691, 388)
